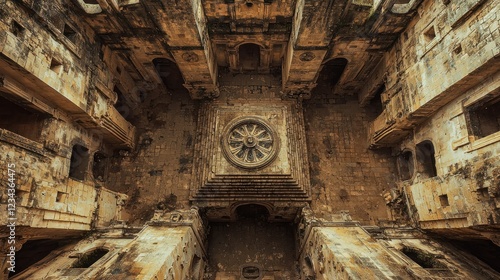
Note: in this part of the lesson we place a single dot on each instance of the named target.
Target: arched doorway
(170, 74)
(252, 247)
(252, 211)
(330, 75)
(249, 57)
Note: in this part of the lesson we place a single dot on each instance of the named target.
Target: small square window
(61, 197)
(70, 33)
(56, 66)
(443, 199)
(16, 29)
(430, 34)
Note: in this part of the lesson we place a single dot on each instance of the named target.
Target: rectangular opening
(430, 34)
(21, 120)
(79, 162)
(484, 117)
(61, 197)
(70, 33)
(443, 199)
(56, 66)
(16, 29)
(422, 258)
(426, 161)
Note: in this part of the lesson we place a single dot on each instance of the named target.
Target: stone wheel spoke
(254, 127)
(266, 140)
(245, 128)
(254, 156)
(259, 133)
(245, 155)
(235, 150)
(263, 150)
(237, 131)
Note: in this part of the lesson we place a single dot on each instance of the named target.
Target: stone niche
(251, 152)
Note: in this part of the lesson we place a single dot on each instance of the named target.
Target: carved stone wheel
(250, 142)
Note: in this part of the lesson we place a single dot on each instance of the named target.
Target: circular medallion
(250, 142)
(307, 56)
(190, 57)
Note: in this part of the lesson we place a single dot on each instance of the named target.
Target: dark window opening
(35, 250)
(309, 262)
(69, 33)
(426, 160)
(89, 258)
(252, 211)
(443, 199)
(170, 74)
(56, 66)
(79, 162)
(16, 29)
(430, 34)
(376, 102)
(249, 57)
(99, 167)
(405, 164)
(121, 104)
(422, 258)
(20, 120)
(249, 4)
(61, 197)
(196, 267)
(485, 117)
(250, 272)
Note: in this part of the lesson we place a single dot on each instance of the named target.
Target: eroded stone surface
(381, 122)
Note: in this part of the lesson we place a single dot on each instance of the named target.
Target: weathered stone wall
(338, 248)
(158, 174)
(345, 174)
(49, 64)
(449, 53)
(465, 191)
(171, 247)
(46, 197)
(443, 52)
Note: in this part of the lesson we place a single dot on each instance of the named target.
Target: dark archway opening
(249, 246)
(483, 249)
(405, 165)
(99, 166)
(170, 74)
(121, 105)
(330, 75)
(34, 251)
(249, 57)
(426, 159)
(79, 162)
(252, 211)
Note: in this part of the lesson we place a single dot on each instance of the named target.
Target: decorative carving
(190, 57)
(250, 142)
(307, 56)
